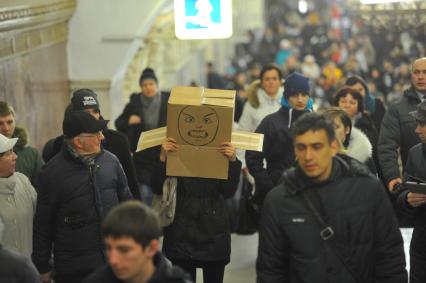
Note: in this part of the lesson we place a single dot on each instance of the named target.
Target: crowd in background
(328, 49)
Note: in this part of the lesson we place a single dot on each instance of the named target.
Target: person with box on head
(131, 233)
(15, 267)
(277, 143)
(17, 201)
(145, 111)
(76, 189)
(115, 142)
(29, 160)
(414, 203)
(329, 220)
(199, 236)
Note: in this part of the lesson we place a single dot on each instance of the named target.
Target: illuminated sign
(203, 19)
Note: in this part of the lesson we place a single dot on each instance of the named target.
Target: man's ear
(76, 142)
(152, 248)
(335, 146)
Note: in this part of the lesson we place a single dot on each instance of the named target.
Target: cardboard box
(199, 119)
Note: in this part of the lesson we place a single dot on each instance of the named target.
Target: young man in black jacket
(330, 220)
(131, 232)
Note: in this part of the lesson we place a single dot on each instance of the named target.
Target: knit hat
(148, 73)
(294, 84)
(77, 122)
(6, 144)
(84, 99)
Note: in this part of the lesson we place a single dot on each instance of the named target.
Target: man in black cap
(277, 143)
(146, 110)
(414, 204)
(76, 189)
(115, 142)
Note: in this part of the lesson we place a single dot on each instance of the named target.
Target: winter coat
(378, 114)
(16, 268)
(416, 164)
(358, 211)
(397, 131)
(29, 160)
(116, 143)
(201, 229)
(277, 151)
(361, 149)
(135, 107)
(72, 201)
(164, 273)
(17, 208)
(259, 105)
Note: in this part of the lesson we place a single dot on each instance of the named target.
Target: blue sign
(198, 19)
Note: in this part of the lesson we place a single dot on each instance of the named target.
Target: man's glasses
(98, 135)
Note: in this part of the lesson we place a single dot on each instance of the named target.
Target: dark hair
(348, 91)
(269, 68)
(6, 109)
(313, 122)
(132, 219)
(335, 112)
(357, 79)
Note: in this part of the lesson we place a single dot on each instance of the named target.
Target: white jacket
(17, 208)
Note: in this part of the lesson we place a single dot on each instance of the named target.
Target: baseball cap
(77, 122)
(6, 143)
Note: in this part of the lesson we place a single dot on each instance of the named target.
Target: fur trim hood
(359, 147)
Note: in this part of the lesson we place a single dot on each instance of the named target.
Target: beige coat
(17, 208)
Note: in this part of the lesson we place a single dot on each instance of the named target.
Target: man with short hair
(330, 220)
(398, 127)
(14, 267)
(414, 203)
(29, 160)
(115, 142)
(17, 201)
(131, 232)
(76, 189)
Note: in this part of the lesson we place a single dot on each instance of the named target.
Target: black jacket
(277, 151)
(116, 143)
(201, 228)
(397, 131)
(415, 167)
(378, 114)
(134, 107)
(357, 209)
(71, 203)
(16, 268)
(164, 273)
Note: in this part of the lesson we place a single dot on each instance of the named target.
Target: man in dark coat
(330, 220)
(398, 127)
(131, 232)
(414, 203)
(115, 142)
(76, 189)
(277, 143)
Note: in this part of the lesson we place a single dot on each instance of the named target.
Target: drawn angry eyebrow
(188, 115)
(205, 116)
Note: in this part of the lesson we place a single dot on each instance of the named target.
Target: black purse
(248, 216)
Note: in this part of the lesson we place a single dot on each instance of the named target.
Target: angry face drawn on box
(198, 125)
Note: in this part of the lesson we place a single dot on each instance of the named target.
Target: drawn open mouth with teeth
(198, 134)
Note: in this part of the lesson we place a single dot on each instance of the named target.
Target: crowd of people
(337, 108)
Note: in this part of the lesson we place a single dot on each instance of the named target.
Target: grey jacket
(397, 131)
(17, 208)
